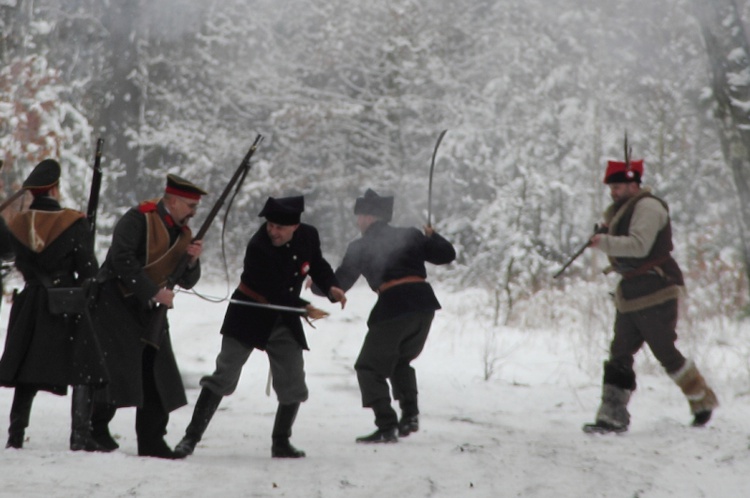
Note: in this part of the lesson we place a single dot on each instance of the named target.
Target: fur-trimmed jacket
(639, 245)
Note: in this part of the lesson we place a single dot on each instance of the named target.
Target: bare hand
(428, 230)
(314, 313)
(594, 241)
(338, 296)
(194, 250)
(165, 297)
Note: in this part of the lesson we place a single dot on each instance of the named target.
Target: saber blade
(432, 168)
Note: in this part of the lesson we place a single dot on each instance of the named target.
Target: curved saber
(432, 168)
(276, 307)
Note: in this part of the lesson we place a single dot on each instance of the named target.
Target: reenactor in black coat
(148, 243)
(278, 259)
(46, 351)
(392, 259)
(6, 254)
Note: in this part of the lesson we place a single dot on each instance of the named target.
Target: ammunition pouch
(67, 300)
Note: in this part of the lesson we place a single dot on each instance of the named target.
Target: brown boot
(701, 398)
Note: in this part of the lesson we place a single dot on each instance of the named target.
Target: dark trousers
(387, 353)
(151, 419)
(656, 326)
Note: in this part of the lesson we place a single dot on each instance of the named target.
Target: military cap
(375, 205)
(284, 210)
(179, 186)
(622, 172)
(43, 177)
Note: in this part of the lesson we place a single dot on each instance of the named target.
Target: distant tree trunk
(15, 17)
(729, 60)
(119, 118)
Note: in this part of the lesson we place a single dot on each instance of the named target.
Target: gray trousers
(284, 356)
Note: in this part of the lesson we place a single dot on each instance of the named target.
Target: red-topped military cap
(179, 186)
(622, 172)
(43, 177)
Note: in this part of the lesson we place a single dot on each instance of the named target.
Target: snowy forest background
(536, 96)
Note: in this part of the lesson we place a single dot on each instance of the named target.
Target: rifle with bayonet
(155, 329)
(597, 229)
(96, 185)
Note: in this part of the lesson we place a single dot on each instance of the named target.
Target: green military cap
(179, 186)
(43, 177)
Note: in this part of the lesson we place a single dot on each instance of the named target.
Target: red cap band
(182, 193)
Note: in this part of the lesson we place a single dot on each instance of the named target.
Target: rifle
(96, 184)
(432, 168)
(155, 329)
(12, 198)
(597, 229)
(7, 202)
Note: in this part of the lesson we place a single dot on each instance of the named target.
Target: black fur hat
(373, 204)
(284, 210)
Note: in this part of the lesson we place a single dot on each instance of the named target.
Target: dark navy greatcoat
(277, 274)
(122, 321)
(51, 352)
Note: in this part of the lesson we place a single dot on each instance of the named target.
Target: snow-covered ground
(515, 435)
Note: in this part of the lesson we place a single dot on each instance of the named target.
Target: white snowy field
(515, 435)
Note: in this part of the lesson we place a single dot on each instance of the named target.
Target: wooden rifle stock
(12, 198)
(157, 324)
(578, 252)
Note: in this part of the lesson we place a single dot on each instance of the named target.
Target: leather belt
(398, 281)
(251, 293)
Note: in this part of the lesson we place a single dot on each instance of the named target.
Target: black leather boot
(282, 431)
(81, 409)
(20, 410)
(409, 421)
(205, 407)
(387, 422)
(100, 418)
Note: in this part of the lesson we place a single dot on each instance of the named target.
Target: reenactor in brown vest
(638, 243)
(48, 349)
(148, 243)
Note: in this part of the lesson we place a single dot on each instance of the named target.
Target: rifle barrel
(158, 320)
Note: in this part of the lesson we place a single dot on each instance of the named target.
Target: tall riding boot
(81, 409)
(387, 422)
(282, 431)
(101, 416)
(205, 407)
(20, 411)
(409, 421)
(701, 398)
(613, 416)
